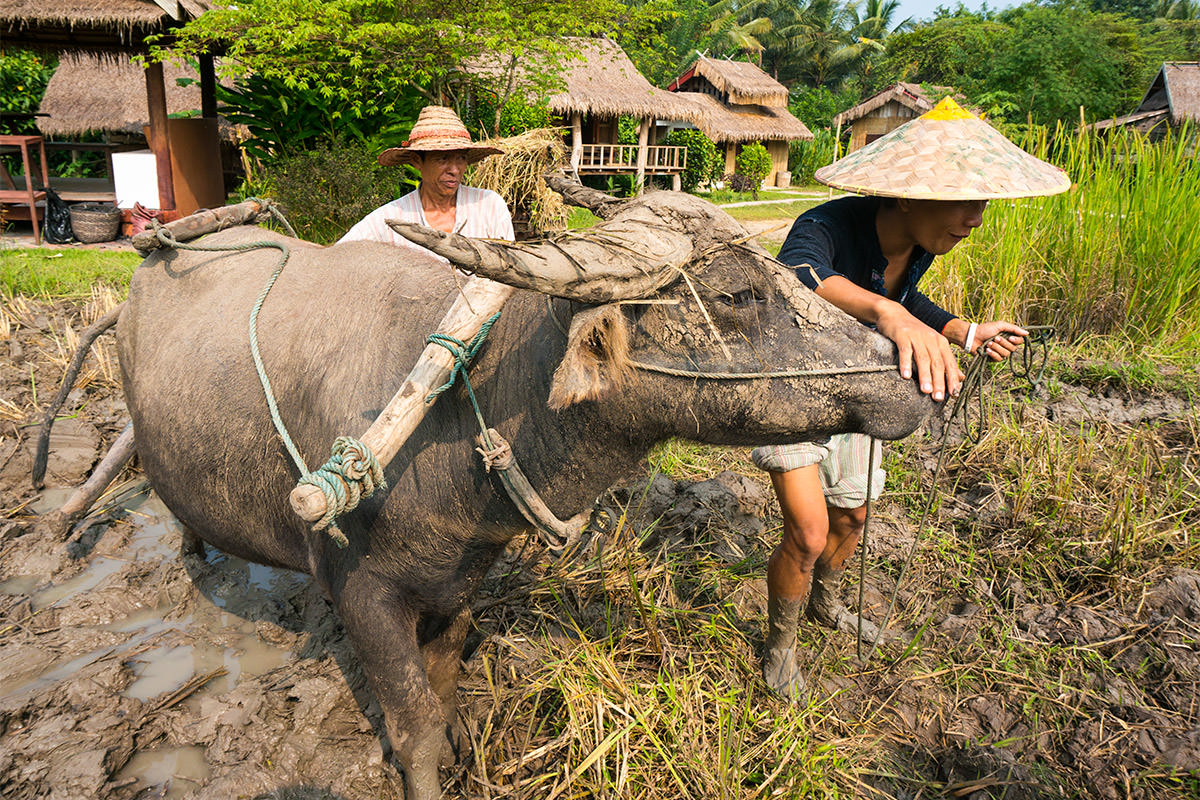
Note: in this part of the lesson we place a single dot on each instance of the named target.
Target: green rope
(463, 353)
(352, 471)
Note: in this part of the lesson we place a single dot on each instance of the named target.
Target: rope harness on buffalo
(352, 471)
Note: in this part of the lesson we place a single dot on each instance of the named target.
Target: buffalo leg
(442, 654)
(384, 634)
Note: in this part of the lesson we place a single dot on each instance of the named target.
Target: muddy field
(129, 671)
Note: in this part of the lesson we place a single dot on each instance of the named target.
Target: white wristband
(970, 336)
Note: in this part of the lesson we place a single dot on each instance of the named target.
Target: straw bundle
(516, 175)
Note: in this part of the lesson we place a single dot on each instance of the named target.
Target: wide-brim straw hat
(437, 128)
(947, 153)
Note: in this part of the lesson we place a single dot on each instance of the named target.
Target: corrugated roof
(1176, 87)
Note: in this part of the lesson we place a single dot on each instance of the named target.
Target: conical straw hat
(947, 153)
(436, 128)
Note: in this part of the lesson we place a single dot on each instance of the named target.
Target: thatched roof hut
(1172, 99)
(911, 96)
(90, 93)
(745, 123)
(735, 82)
(885, 111)
(92, 25)
(598, 81)
(739, 103)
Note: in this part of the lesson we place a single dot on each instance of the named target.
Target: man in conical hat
(440, 147)
(925, 186)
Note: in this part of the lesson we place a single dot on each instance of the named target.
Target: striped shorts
(842, 466)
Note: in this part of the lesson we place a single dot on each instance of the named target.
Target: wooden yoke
(200, 223)
(479, 300)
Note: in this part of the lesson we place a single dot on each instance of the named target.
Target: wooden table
(9, 193)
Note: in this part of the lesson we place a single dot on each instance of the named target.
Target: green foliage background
(704, 162)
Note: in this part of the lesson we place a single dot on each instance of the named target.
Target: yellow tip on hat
(948, 109)
(947, 153)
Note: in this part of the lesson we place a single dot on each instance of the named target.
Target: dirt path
(129, 671)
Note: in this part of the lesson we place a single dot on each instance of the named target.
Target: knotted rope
(352, 471)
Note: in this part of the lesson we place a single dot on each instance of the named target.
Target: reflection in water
(183, 767)
(225, 610)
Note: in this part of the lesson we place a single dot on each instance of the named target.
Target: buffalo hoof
(782, 674)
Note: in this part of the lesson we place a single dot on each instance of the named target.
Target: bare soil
(130, 671)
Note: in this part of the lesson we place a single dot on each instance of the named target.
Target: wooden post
(479, 300)
(576, 142)
(643, 148)
(156, 102)
(837, 143)
(208, 87)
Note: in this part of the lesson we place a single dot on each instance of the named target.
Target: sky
(923, 9)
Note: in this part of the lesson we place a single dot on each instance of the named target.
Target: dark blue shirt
(839, 238)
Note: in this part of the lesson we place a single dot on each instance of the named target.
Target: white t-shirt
(478, 213)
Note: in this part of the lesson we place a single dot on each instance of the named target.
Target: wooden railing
(623, 158)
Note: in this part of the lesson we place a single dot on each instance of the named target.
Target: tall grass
(1118, 255)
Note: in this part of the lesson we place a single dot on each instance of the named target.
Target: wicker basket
(95, 222)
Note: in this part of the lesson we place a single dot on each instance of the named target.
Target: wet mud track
(128, 670)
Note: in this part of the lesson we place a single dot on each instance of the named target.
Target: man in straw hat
(440, 148)
(926, 185)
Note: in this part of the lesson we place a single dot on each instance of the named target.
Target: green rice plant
(1118, 255)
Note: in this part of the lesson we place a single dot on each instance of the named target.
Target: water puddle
(163, 652)
(182, 768)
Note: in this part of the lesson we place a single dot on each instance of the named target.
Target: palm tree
(875, 22)
(822, 49)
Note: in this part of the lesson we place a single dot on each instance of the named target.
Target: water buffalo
(339, 332)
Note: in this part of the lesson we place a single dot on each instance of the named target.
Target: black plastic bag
(56, 228)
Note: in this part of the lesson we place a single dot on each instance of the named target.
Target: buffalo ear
(596, 361)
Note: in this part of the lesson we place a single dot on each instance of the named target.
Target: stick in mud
(77, 505)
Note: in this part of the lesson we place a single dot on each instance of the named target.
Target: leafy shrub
(284, 121)
(517, 116)
(627, 130)
(816, 107)
(326, 189)
(702, 157)
(738, 183)
(805, 158)
(23, 78)
(754, 162)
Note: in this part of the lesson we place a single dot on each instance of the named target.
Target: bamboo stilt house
(596, 87)
(885, 111)
(1172, 99)
(739, 103)
(114, 29)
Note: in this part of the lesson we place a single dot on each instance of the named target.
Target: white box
(135, 178)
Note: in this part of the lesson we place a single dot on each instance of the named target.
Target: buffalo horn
(617, 260)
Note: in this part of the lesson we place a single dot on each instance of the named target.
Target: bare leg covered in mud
(804, 572)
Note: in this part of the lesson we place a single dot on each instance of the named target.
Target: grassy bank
(41, 272)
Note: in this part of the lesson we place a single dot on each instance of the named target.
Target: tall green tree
(365, 54)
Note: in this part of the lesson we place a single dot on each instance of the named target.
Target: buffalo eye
(741, 299)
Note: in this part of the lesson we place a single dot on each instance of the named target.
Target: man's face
(442, 171)
(938, 225)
